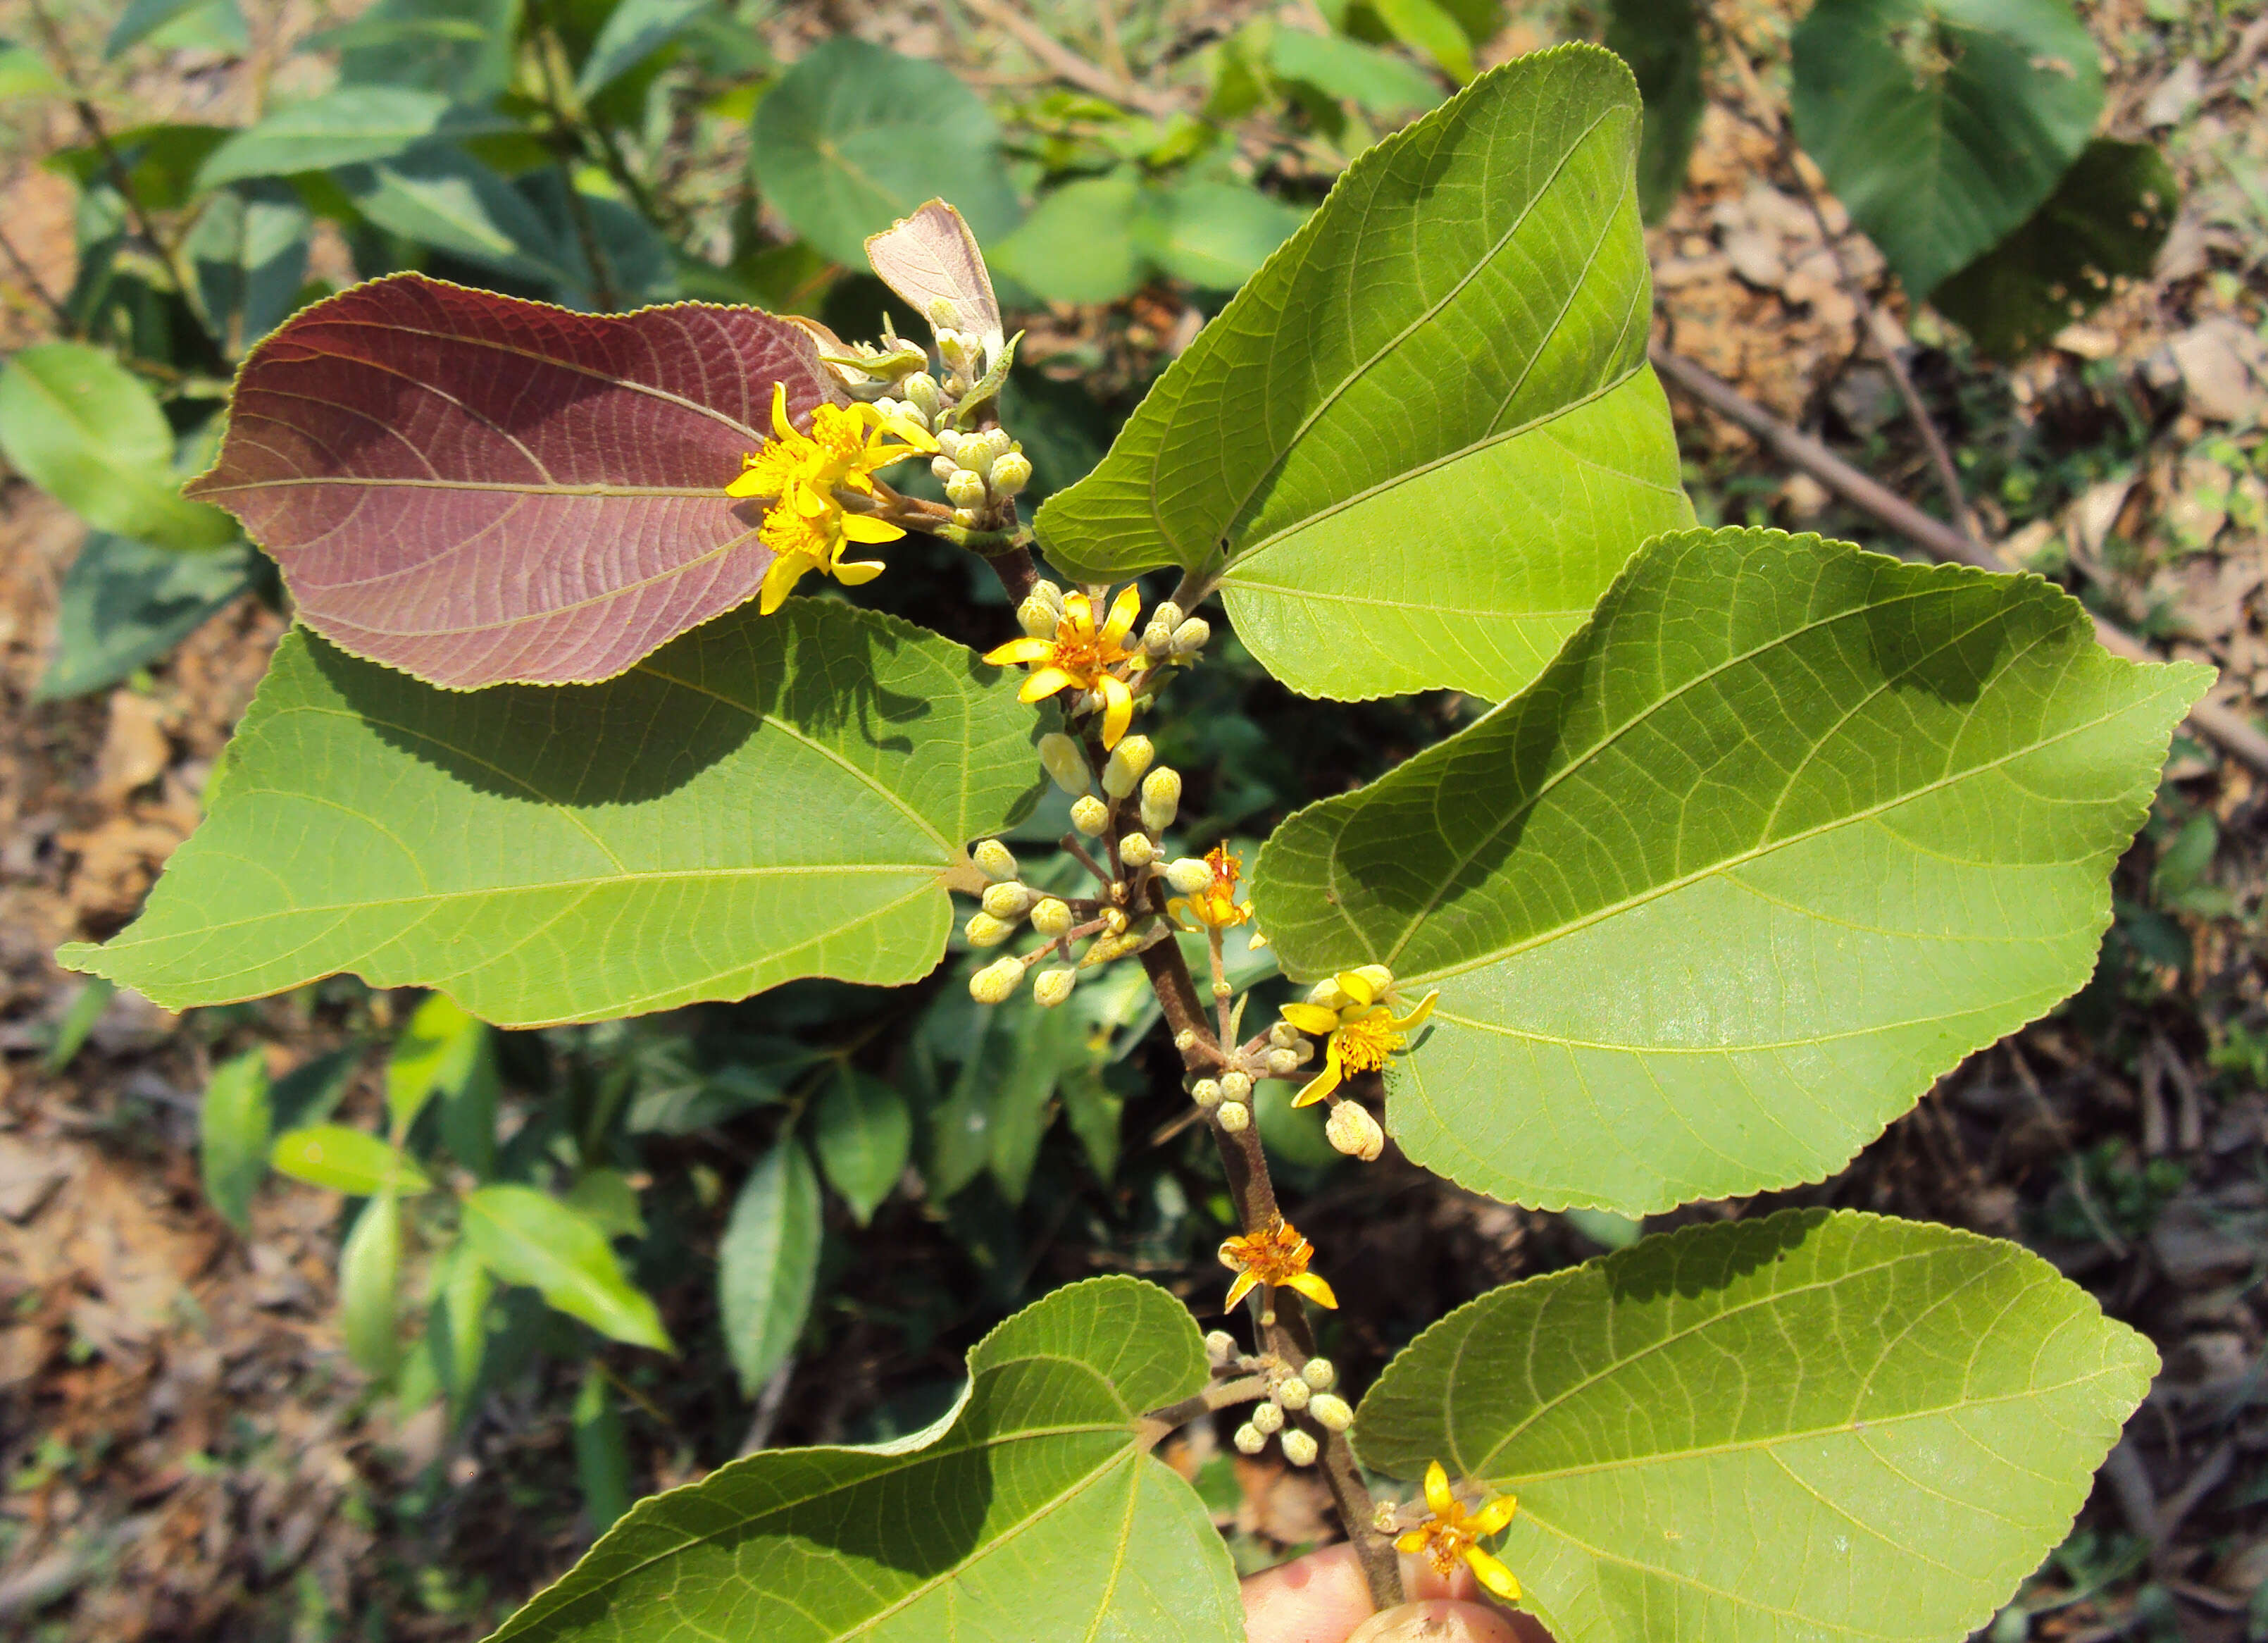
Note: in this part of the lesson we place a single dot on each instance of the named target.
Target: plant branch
(65, 323)
(2213, 720)
(1219, 1396)
(1066, 64)
(90, 120)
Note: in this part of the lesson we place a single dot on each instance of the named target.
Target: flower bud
(1320, 1373)
(1354, 1131)
(1066, 763)
(997, 861)
(1183, 1039)
(1281, 1062)
(1250, 1440)
(1090, 815)
(1220, 1348)
(949, 441)
(888, 407)
(1268, 1418)
(961, 352)
(1050, 916)
(1157, 638)
(1283, 1035)
(1167, 614)
(965, 489)
(1191, 637)
(1009, 901)
(1302, 1053)
(1206, 1092)
(921, 393)
(1161, 798)
(944, 466)
(955, 385)
(1128, 760)
(1299, 1447)
(1380, 978)
(967, 518)
(1293, 1394)
(1136, 850)
(1190, 875)
(1326, 992)
(1011, 473)
(1330, 1412)
(1235, 1087)
(984, 930)
(997, 981)
(1234, 1116)
(1051, 987)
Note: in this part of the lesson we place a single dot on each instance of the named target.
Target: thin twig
(2212, 720)
(90, 120)
(31, 278)
(769, 1403)
(1066, 64)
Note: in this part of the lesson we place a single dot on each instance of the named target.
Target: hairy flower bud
(1186, 1037)
(1320, 1373)
(1326, 992)
(1051, 987)
(1157, 638)
(1190, 875)
(1234, 1116)
(997, 981)
(1299, 1447)
(1064, 762)
(921, 394)
(1090, 815)
(1206, 1092)
(1136, 850)
(1268, 1417)
(949, 441)
(1250, 1440)
(1330, 1412)
(1191, 637)
(1050, 916)
(1128, 760)
(1380, 978)
(1281, 1062)
(1220, 1348)
(997, 861)
(1234, 1086)
(961, 352)
(944, 466)
(1283, 1035)
(1009, 901)
(1166, 613)
(1011, 473)
(985, 931)
(1354, 1131)
(965, 489)
(1161, 798)
(1293, 1394)
(966, 518)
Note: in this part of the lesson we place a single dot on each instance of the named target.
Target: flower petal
(1238, 1290)
(851, 573)
(786, 571)
(1123, 610)
(1491, 1518)
(1078, 610)
(1045, 682)
(1311, 1018)
(864, 527)
(1118, 708)
(1357, 987)
(1492, 1574)
(1417, 1017)
(1021, 650)
(1412, 1543)
(782, 428)
(753, 482)
(1313, 1288)
(1439, 1500)
(1323, 1083)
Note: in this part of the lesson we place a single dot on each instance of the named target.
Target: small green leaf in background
(143, 18)
(2104, 223)
(633, 32)
(84, 428)
(24, 72)
(249, 251)
(124, 604)
(529, 1237)
(1034, 1510)
(456, 1323)
(86, 1007)
(1211, 234)
(462, 49)
(370, 1269)
(602, 1455)
(434, 1051)
(440, 196)
(233, 1123)
(1784, 834)
(1078, 244)
(1942, 124)
(862, 1132)
(350, 125)
(347, 1160)
(1378, 81)
(1812, 1425)
(1425, 28)
(769, 1263)
(854, 136)
(609, 1202)
(1456, 450)
(1660, 40)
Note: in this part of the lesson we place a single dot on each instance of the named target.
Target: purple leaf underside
(478, 489)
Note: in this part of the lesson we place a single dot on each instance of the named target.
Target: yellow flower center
(1445, 1543)
(1365, 1043)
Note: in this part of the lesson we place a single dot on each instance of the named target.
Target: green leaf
(1783, 835)
(462, 49)
(142, 18)
(854, 136)
(435, 1051)
(440, 196)
(1033, 1509)
(1212, 235)
(87, 1006)
(456, 1325)
(347, 1160)
(603, 1456)
(633, 32)
(524, 1237)
(249, 254)
(546, 855)
(2104, 223)
(1424, 473)
(1078, 244)
(124, 604)
(1941, 124)
(84, 429)
(768, 1265)
(233, 1123)
(1379, 81)
(864, 1133)
(370, 1271)
(1815, 1425)
(609, 1202)
(1424, 26)
(1660, 40)
(24, 72)
(351, 125)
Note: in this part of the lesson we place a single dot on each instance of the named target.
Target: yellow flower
(803, 474)
(1362, 1032)
(1082, 657)
(1451, 1533)
(1216, 905)
(1276, 1256)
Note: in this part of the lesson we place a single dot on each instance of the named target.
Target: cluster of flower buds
(1007, 904)
(1306, 1390)
(1228, 1099)
(1169, 636)
(979, 471)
